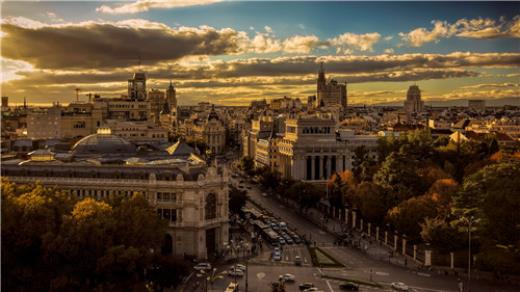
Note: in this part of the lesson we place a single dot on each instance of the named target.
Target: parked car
(312, 289)
(236, 273)
(349, 286)
(298, 260)
(283, 225)
(400, 286)
(202, 267)
(287, 277)
(304, 286)
(281, 241)
(232, 287)
(241, 267)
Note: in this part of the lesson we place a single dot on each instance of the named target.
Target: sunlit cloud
(145, 5)
(476, 28)
(348, 42)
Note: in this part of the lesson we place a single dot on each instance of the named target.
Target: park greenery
(426, 189)
(52, 241)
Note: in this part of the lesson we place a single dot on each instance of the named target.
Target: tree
(373, 201)
(237, 200)
(494, 193)
(408, 215)
(398, 174)
(53, 242)
(247, 165)
(442, 236)
(363, 164)
(269, 179)
(305, 194)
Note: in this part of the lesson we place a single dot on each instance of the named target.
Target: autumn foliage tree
(51, 241)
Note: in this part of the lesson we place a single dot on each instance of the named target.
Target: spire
(24, 102)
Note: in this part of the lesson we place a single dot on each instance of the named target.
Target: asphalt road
(359, 265)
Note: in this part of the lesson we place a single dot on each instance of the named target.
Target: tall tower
(137, 86)
(413, 103)
(171, 96)
(321, 77)
(171, 99)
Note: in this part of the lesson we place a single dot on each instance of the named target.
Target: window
(167, 214)
(211, 206)
(166, 197)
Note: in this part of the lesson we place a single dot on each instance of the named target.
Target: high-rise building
(331, 94)
(413, 103)
(137, 86)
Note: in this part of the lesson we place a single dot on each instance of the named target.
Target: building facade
(189, 195)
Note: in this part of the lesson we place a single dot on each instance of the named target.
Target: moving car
(400, 286)
(305, 286)
(287, 277)
(313, 289)
(202, 267)
(349, 286)
(240, 267)
(298, 260)
(232, 287)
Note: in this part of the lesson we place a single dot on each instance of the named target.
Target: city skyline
(231, 53)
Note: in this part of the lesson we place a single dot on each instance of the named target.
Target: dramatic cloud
(106, 45)
(145, 5)
(420, 36)
(350, 41)
(477, 28)
(301, 44)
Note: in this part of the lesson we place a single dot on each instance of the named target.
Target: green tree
(442, 236)
(494, 193)
(305, 194)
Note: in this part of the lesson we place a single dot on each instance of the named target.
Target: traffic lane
(290, 216)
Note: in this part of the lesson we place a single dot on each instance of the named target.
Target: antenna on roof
(77, 93)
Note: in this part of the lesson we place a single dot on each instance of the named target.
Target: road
(359, 265)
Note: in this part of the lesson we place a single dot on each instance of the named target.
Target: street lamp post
(469, 221)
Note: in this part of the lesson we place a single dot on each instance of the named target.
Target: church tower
(321, 78)
(137, 86)
(171, 100)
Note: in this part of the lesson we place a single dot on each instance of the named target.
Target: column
(395, 242)
(369, 229)
(325, 167)
(415, 252)
(353, 219)
(452, 260)
(377, 233)
(427, 257)
(312, 165)
(361, 224)
(386, 237)
(346, 216)
(404, 246)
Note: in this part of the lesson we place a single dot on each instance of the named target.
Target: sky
(230, 53)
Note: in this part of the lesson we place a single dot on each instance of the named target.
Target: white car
(277, 256)
(400, 286)
(240, 267)
(202, 267)
(287, 278)
(313, 289)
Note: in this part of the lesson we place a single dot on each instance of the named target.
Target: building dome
(101, 143)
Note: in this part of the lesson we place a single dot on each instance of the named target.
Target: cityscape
(206, 145)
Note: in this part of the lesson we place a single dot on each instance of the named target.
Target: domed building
(103, 143)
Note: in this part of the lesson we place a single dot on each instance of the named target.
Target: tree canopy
(51, 241)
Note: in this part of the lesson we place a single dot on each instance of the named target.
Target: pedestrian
(461, 285)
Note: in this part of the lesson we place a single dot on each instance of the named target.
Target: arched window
(211, 206)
